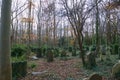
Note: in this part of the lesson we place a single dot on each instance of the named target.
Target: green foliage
(56, 52)
(86, 48)
(18, 50)
(92, 48)
(33, 48)
(18, 59)
(44, 49)
(32, 65)
(70, 48)
(39, 52)
(74, 52)
(63, 53)
(114, 49)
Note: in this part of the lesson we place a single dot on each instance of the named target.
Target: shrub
(44, 50)
(39, 52)
(70, 49)
(56, 52)
(115, 48)
(33, 48)
(74, 52)
(63, 53)
(32, 65)
(92, 48)
(86, 48)
(18, 59)
(18, 50)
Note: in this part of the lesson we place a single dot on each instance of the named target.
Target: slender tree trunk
(81, 49)
(54, 31)
(97, 28)
(29, 26)
(39, 24)
(5, 63)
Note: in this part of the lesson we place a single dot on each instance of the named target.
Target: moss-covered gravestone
(116, 71)
(101, 53)
(108, 53)
(19, 69)
(50, 56)
(91, 62)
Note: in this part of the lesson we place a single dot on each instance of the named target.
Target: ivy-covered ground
(67, 69)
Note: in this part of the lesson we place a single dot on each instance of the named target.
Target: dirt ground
(70, 69)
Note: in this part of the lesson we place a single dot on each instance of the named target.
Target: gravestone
(91, 62)
(108, 53)
(116, 71)
(95, 76)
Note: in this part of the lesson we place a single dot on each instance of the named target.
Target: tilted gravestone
(91, 62)
(116, 71)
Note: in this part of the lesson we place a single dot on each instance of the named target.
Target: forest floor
(69, 69)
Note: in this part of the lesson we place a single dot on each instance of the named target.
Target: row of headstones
(57, 52)
(115, 74)
(91, 57)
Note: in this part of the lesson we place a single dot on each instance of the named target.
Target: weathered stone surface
(116, 70)
(34, 58)
(91, 62)
(108, 53)
(95, 76)
(38, 73)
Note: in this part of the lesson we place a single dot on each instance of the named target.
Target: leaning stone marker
(91, 62)
(95, 76)
(108, 53)
(116, 71)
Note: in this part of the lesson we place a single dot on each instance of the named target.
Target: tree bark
(82, 51)
(5, 63)
(97, 28)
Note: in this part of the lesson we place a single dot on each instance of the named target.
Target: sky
(35, 2)
(25, 13)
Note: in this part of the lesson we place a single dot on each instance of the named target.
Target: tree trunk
(82, 51)
(97, 28)
(5, 64)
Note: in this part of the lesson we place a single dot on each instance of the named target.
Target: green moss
(18, 50)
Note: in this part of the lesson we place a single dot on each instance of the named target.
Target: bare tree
(77, 15)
